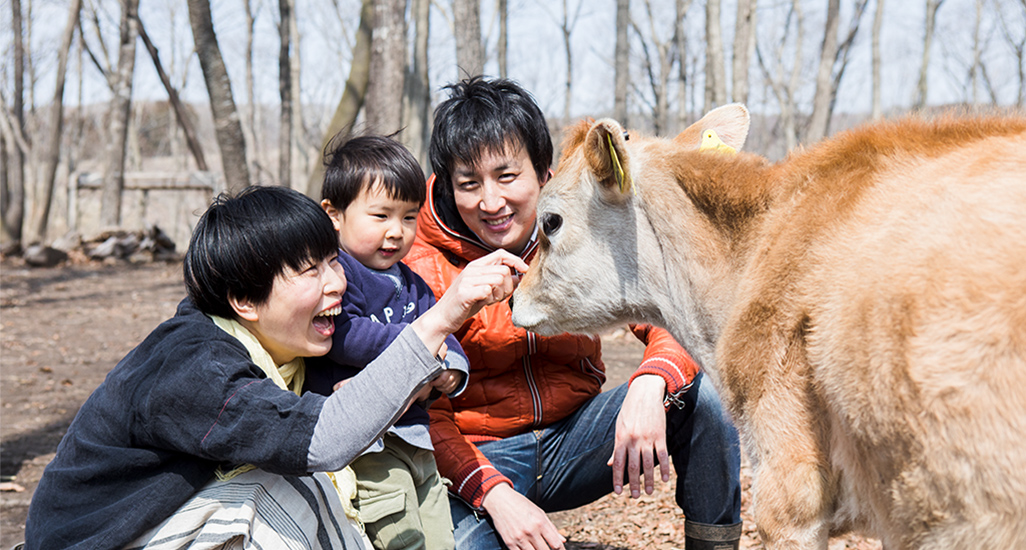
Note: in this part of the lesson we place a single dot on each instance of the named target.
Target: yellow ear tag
(712, 142)
(617, 168)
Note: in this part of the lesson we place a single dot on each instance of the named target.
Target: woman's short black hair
(486, 115)
(242, 243)
(367, 160)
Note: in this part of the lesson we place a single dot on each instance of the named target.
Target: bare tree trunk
(791, 124)
(298, 125)
(353, 95)
(922, 90)
(417, 101)
(226, 119)
(251, 112)
(174, 129)
(467, 29)
(744, 44)
(53, 153)
(621, 63)
(503, 8)
(181, 116)
(566, 27)
(133, 149)
(877, 25)
(75, 151)
(824, 76)
(715, 79)
(388, 67)
(5, 193)
(30, 64)
(120, 111)
(285, 92)
(14, 201)
(681, 40)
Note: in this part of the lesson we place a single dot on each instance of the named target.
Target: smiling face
(376, 229)
(497, 197)
(298, 318)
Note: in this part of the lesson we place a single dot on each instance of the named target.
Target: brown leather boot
(703, 536)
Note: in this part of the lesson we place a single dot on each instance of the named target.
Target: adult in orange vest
(533, 433)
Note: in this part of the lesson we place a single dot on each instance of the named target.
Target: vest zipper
(531, 383)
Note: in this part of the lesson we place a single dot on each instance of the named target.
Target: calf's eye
(551, 223)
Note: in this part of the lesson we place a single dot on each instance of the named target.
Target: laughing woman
(197, 437)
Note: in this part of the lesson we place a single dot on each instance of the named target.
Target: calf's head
(605, 257)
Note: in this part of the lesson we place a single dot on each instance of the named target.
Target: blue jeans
(563, 466)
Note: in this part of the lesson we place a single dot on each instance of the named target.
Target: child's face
(376, 229)
(498, 196)
(297, 319)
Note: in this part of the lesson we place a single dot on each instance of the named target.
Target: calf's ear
(729, 122)
(606, 155)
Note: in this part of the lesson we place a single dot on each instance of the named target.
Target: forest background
(97, 93)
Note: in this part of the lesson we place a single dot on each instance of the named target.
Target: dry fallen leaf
(11, 487)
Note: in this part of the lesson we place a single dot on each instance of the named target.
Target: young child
(215, 389)
(373, 190)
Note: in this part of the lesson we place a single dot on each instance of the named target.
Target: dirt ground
(63, 329)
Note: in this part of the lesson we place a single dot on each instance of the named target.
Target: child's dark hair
(242, 243)
(486, 115)
(371, 160)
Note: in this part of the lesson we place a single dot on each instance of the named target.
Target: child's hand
(338, 385)
(448, 381)
(422, 395)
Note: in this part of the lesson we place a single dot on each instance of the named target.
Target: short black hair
(486, 115)
(242, 243)
(360, 162)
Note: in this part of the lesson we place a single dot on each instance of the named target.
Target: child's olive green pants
(402, 499)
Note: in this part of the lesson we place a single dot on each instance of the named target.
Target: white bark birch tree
(715, 77)
(502, 7)
(824, 75)
(877, 103)
(744, 45)
(120, 112)
(680, 37)
(621, 62)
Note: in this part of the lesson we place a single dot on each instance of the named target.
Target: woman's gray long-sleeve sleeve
(360, 411)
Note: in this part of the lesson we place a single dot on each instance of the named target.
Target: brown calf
(861, 306)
